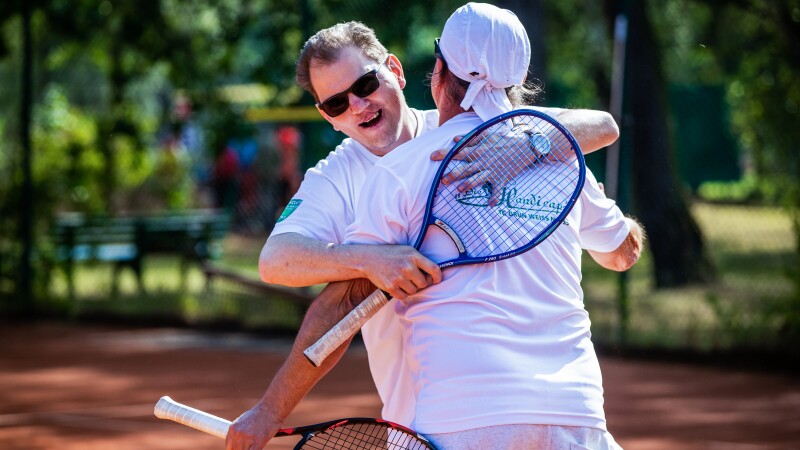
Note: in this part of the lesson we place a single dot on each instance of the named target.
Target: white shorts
(527, 437)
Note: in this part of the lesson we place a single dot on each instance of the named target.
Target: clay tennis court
(72, 387)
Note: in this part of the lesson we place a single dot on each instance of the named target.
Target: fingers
(433, 273)
(460, 174)
(242, 440)
(408, 275)
(477, 180)
(414, 281)
(497, 194)
(251, 430)
(438, 155)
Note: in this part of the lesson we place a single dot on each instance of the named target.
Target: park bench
(300, 296)
(125, 241)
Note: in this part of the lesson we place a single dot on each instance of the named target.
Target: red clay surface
(72, 387)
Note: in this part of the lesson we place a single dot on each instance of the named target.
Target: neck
(448, 110)
(407, 131)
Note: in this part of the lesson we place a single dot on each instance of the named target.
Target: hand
(484, 155)
(252, 430)
(399, 270)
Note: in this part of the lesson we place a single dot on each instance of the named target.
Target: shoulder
(347, 157)
(420, 148)
(429, 119)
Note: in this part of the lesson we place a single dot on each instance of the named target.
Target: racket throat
(452, 234)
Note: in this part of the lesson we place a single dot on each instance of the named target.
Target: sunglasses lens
(336, 105)
(364, 86)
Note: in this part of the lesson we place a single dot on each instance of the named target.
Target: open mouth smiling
(372, 120)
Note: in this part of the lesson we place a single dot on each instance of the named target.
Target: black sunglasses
(437, 51)
(364, 86)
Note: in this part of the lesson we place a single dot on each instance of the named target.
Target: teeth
(371, 118)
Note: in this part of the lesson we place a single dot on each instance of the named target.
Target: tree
(112, 46)
(679, 254)
(756, 43)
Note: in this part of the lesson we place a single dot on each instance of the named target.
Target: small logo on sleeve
(293, 204)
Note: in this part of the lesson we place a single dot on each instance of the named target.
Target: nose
(357, 104)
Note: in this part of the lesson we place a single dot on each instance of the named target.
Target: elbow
(269, 263)
(266, 271)
(631, 250)
(626, 261)
(263, 272)
(618, 261)
(610, 130)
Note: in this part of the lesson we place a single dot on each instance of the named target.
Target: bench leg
(137, 269)
(184, 269)
(69, 272)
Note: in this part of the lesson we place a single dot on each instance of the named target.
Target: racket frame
(169, 409)
(429, 219)
(349, 325)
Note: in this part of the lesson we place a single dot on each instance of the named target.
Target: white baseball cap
(488, 47)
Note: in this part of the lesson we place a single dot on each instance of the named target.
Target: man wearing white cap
(500, 353)
(334, 62)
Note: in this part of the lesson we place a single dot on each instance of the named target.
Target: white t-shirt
(321, 209)
(500, 343)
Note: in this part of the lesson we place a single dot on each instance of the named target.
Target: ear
(397, 69)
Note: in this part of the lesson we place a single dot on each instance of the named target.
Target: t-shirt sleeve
(380, 219)
(318, 210)
(603, 227)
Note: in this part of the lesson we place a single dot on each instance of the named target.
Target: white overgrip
(346, 328)
(166, 408)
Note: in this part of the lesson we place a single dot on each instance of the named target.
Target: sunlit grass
(751, 248)
(171, 295)
(746, 306)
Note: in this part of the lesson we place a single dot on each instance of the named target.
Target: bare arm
(592, 129)
(297, 376)
(626, 255)
(295, 260)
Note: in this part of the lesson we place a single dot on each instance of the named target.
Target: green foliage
(68, 164)
(764, 90)
(741, 191)
(106, 71)
(578, 54)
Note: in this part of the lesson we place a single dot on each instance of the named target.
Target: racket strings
(364, 436)
(534, 196)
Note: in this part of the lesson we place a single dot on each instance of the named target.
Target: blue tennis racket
(541, 170)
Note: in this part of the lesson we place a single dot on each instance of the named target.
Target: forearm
(295, 260)
(627, 254)
(297, 376)
(592, 129)
(292, 259)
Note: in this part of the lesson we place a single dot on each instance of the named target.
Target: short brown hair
(325, 47)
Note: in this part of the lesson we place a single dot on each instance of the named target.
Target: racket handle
(167, 408)
(346, 328)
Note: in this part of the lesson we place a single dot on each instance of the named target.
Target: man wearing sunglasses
(358, 87)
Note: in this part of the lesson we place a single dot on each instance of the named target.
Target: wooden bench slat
(127, 239)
